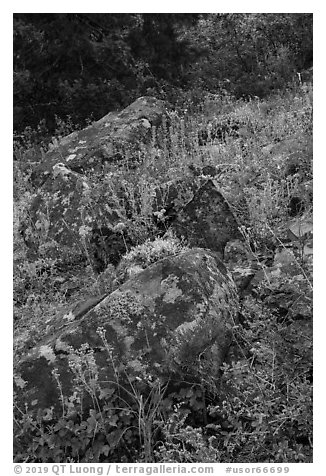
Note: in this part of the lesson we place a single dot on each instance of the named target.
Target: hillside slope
(258, 155)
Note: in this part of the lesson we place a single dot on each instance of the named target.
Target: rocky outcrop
(172, 322)
(83, 208)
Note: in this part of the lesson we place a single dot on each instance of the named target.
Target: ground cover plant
(258, 152)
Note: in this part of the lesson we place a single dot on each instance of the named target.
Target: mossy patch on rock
(172, 322)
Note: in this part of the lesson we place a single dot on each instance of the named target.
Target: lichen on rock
(173, 322)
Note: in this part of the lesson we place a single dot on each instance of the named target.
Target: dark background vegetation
(84, 65)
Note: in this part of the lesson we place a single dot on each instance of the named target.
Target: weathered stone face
(172, 322)
(67, 206)
(207, 221)
(105, 140)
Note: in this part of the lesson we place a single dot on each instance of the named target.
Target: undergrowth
(261, 409)
(262, 413)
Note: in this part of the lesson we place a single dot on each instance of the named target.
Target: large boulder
(75, 193)
(171, 322)
(114, 137)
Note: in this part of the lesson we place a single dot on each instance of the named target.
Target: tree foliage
(251, 54)
(84, 65)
